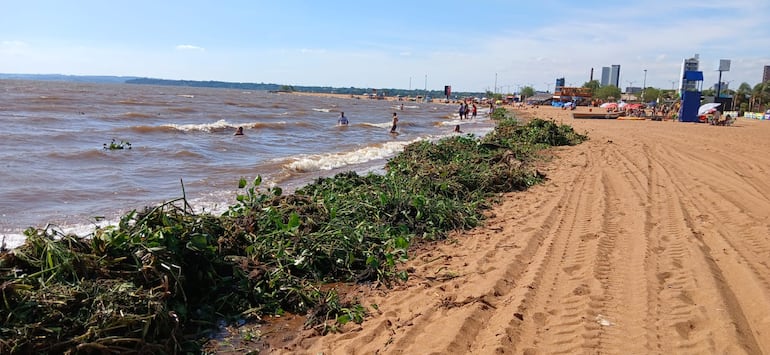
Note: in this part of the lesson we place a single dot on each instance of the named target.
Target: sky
(480, 45)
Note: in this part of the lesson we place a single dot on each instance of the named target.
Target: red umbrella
(609, 105)
(633, 106)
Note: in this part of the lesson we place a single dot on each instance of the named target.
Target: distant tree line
(436, 94)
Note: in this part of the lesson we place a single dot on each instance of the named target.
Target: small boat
(596, 115)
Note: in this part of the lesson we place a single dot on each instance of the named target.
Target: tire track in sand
(599, 282)
(651, 239)
(732, 291)
(542, 279)
(450, 313)
(475, 314)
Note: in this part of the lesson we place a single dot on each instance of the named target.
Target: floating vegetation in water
(115, 145)
(165, 277)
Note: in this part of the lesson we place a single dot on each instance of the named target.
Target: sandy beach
(650, 238)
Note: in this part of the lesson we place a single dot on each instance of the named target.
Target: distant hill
(71, 78)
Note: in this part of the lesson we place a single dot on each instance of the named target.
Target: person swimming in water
(343, 121)
(457, 129)
(238, 132)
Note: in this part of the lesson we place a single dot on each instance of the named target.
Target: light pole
(644, 85)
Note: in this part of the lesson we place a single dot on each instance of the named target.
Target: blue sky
(471, 45)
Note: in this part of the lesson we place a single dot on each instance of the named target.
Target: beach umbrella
(705, 108)
(609, 105)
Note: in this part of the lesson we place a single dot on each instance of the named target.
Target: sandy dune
(652, 237)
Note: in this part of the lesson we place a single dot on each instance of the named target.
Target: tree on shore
(593, 85)
(650, 94)
(527, 91)
(606, 92)
(742, 96)
(760, 95)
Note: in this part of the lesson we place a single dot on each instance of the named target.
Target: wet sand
(651, 237)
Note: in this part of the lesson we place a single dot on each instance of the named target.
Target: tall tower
(766, 74)
(615, 75)
(605, 76)
(689, 64)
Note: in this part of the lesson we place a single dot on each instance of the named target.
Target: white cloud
(13, 47)
(13, 44)
(312, 51)
(189, 47)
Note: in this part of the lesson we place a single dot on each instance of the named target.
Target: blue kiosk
(691, 95)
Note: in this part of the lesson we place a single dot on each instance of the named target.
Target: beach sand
(651, 237)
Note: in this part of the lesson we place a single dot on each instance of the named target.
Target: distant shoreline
(110, 79)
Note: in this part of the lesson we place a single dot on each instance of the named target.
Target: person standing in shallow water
(395, 123)
(342, 121)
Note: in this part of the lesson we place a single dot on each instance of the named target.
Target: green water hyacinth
(165, 277)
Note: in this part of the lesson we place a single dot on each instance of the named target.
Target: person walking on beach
(342, 121)
(395, 123)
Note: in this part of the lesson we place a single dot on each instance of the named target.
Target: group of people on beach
(342, 120)
(465, 109)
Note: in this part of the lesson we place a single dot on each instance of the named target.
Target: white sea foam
(14, 240)
(205, 127)
(215, 203)
(380, 125)
(321, 109)
(331, 161)
(454, 122)
(218, 126)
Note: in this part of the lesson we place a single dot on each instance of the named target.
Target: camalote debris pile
(164, 279)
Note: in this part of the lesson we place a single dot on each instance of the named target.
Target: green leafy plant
(163, 278)
(115, 145)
